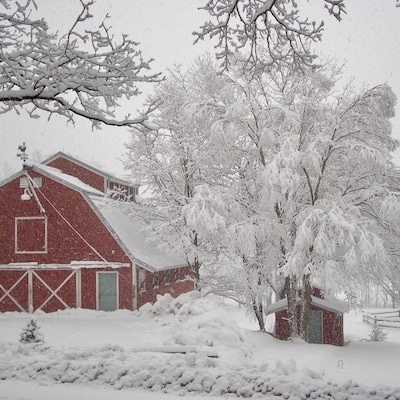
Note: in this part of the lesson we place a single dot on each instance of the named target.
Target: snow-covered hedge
(181, 373)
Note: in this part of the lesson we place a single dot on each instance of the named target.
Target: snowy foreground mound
(216, 358)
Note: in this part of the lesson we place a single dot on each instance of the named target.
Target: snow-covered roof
(63, 178)
(132, 238)
(72, 265)
(55, 174)
(334, 305)
(98, 169)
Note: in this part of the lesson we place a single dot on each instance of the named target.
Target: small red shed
(64, 244)
(325, 323)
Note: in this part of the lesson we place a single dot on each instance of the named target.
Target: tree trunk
(290, 290)
(305, 309)
(196, 272)
(196, 263)
(259, 313)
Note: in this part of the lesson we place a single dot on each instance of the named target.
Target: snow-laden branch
(274, 25)
(80, 74)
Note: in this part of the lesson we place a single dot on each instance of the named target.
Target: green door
(315, 327)
(107, 293)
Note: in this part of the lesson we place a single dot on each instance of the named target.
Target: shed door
(107, 291)
(315, 327)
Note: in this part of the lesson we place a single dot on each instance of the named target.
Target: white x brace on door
(26, 287)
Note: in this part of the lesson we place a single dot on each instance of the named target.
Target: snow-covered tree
(31, 333)
(387, 215)
(275, 25)
(275, 175)
(246, 257)
(315, 161)
(82, 73)
(377, 334)
(330, 169)
(172, 155)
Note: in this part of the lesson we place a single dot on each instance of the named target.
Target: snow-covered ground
(97, 355)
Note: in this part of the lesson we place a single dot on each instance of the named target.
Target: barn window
(156, 280)
(142, 280)
(23, 182)
(119, 191)
(30, 235)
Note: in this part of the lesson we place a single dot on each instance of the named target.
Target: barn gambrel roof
(86, 165)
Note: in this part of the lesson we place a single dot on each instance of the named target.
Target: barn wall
(53, 289)
(181, 282)
(63, 244)
(85, 175)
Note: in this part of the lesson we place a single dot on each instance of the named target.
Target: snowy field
(133, 355)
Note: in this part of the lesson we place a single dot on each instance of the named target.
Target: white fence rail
(384, 318)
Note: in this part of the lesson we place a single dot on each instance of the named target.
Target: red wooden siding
(333, 331)
(85, 175)
(63, 244)
(30, 234)
(172, 281)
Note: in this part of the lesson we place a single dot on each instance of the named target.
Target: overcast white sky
(367, 38)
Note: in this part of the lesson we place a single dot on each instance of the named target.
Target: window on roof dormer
(23, 182)
(121, 192)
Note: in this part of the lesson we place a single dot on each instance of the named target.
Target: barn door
(30, 290)
(107, 291)
(315, 327)
(53, 290)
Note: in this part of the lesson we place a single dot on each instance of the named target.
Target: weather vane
(22, 152)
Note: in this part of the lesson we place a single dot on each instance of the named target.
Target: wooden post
(30, 292)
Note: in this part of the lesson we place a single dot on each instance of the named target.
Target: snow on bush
(194, 320)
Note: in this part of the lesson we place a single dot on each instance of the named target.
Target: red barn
(64, 244)
(325, 323)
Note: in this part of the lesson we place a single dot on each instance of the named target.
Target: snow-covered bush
(377, 334)
(31, 334)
